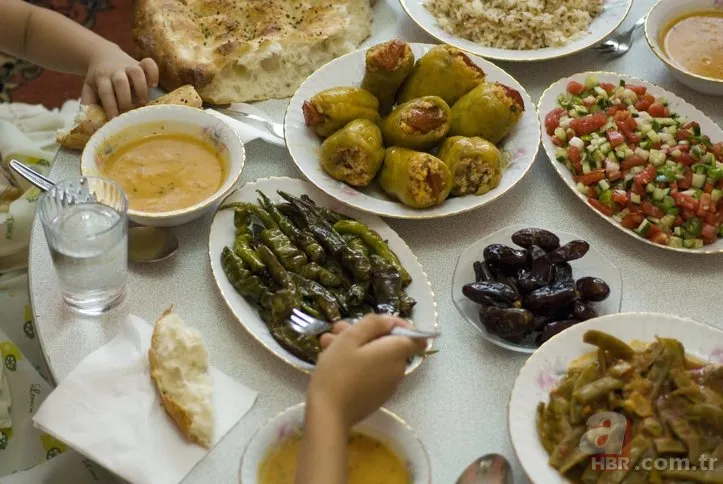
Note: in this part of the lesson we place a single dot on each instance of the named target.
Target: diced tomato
(711, 218)
(615, 176)
(704, 204)
(622, 115)
(690, 125)
(648, 98)
(657, 110)
(639, 90)
(653, 232)
(642, 105)
(637, 188)
(589, 101)
(573, 153)
(683, 148)
(552, 120)
(574, 87)
(686, 202)
(615, 138)
(688, 214)
(614, 109)
(687, 180)
(600, 207)
(682, 134)
(708, 188)
(632, 161)
(591, 191)
(656, 146)
(708, 234)
(717, 150)
(652, 210)
(588, 124)
(632, 220)
(631, 123)
(661, 238)
(556, 141)
(590, 178)
(646, 176)
(608, 87)
(619, 196)
(678, 221)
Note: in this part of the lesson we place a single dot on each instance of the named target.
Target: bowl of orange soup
(382, 448)
(173, 162)
(687, 35)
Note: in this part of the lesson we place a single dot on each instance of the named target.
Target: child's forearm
(323, 455)
(47, 38)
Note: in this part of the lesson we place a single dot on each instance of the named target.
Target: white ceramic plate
(521, 144)
(167, 119)
(382, 425)
(593, 264)
(424, 314)
(544, 369)
(548, 102)
(612, 15)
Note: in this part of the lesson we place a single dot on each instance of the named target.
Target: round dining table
(457, 400)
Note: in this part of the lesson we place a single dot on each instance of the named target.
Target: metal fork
(302, 323)
(277, 129)
(619, 44)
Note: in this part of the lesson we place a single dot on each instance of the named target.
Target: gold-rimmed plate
(549, 101)
(519, 148)
(424, 314)
(612, 15)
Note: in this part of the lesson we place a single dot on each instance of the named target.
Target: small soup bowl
(175, 120)
(382, 425)
(660, 17)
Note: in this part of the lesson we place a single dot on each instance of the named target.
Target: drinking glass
(86, 226)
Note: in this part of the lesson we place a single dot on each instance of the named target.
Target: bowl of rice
(519, 30)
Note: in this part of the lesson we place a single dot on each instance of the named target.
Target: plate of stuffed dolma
(278, 243)
(412, 131)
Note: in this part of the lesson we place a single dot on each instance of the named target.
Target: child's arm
(358, 371)
(52, 41)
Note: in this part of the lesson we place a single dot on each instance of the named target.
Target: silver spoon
(488, 469)
(145, 244)
(277, 129)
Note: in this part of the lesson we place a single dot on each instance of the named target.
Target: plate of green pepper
(278, 244)
(412, 131)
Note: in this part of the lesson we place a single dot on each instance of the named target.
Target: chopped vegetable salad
(638, 162)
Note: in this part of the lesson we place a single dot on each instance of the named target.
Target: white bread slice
(179, 369)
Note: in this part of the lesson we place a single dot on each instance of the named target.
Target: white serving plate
(661, 15)
(548, 102)
(382, 425)
(521, 144)
(593, 264)
(544, 369)
(612, 15)
(424, 314)
(167, 119)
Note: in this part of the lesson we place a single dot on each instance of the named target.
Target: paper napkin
(108, 409)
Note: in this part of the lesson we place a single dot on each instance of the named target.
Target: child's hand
(360, 368)
(110, 76)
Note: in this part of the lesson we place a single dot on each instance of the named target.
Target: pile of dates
(528, 295)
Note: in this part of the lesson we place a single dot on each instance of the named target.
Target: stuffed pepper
(416, 179)
(444, 71)
(489, 111)
(353, 154)
(331, 110)
(418, 124)
(387, 65)
(474, 163)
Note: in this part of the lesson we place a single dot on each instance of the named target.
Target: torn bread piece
(91, 117)
(179, 370)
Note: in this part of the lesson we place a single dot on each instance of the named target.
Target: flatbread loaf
(179, 369)
(246, 50)
(91, 117)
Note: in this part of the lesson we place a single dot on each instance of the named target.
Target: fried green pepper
(611, 344)
(244, 211)
(474, 163)
(320, 274)
(444, 71)
(353, 154)
(290, 256)
(242, 248)
(276, 269)
(306, 348)
(489, 111)
(387, 65)
(416, 179)
(418, 124)
(245, 282)
(330, 110)
(323, 299)
(376, 242)
(386, 286)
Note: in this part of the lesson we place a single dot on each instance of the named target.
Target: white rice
(515, 24)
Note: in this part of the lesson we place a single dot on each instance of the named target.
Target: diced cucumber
(660, 193)
(698, 180)
(577, 143)
(560, 154)
(586, 167)
(667, 220)
(646, 144)
(645, 128)
(590, 148)
(653, 136)
(716, 195)
(675, 242)
(693, 243)
(676, 153)
(644, 154)
(604, 185)
(605, 148)
(677, 231)
(561, 134)
(601, 92)
(591, 81)
(708, 158)
(635, 198)
(581, 110)
(650, 188)
(581, 188)
(644, 227)
(666, 121)
(597, 156)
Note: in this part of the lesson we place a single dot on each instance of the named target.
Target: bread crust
(182, 418)
(202, 42)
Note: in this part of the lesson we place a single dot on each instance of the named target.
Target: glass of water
(86, 226)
